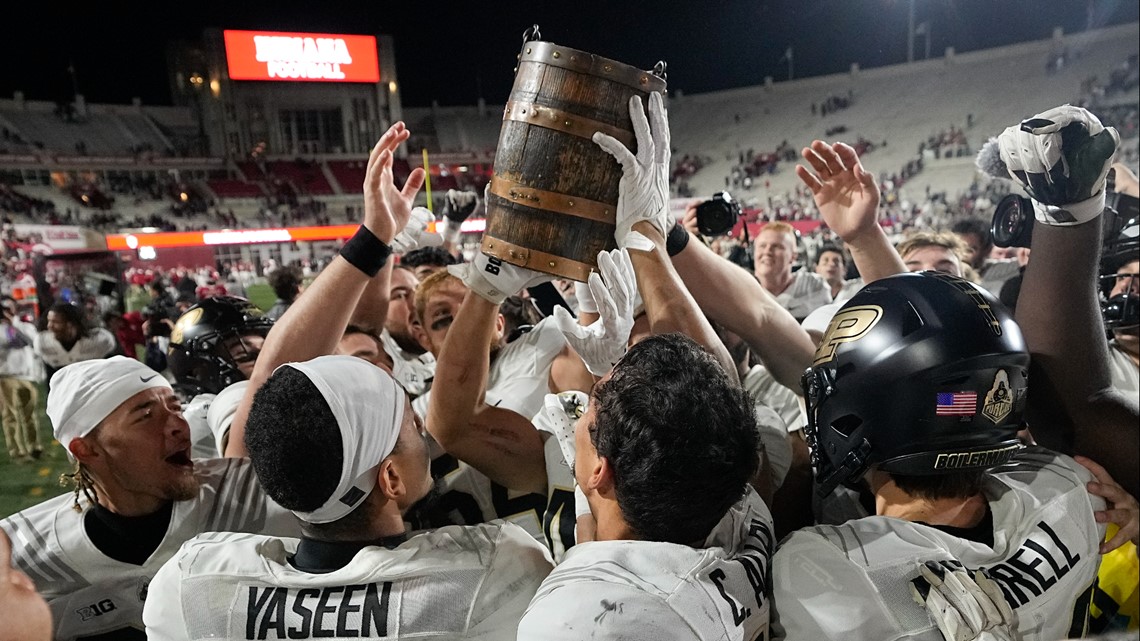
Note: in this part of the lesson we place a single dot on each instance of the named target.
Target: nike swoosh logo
(147, 379)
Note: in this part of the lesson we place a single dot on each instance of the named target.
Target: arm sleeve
(162, 612)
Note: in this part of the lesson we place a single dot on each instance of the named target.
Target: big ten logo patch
(86, 613)
(847, 326)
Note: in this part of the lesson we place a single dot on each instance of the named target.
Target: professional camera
(1012, 224)
(718, 215)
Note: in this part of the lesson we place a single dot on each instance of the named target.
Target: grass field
(25, 484)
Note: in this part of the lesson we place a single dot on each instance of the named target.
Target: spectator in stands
(68, 340)
(286, 283)
(975, 234)
(425, 261)
(831, 265)
(775, 253)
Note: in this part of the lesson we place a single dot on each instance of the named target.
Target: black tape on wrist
(366, 252)
(677, 240)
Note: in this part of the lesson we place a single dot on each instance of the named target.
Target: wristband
(366, 252)
(677, 240)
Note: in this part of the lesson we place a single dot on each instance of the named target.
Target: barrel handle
(532, 34)
(658, 69)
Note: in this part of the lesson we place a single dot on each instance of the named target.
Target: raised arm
(315, 322)
(498, 442)
(643, 221)
(848, 200)
(1072, 406)
(732, 297)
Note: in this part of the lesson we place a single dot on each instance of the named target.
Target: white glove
(494, 280)
(415, 233)
(643, 193)
(965, 606)
(586, 302)
(604, 342)
(1061, 157)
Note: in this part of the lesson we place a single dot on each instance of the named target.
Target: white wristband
(449, 230)
(1070, 215)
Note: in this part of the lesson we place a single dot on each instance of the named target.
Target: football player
(335, 440)
(213, 348)
(138, 496)
(918, 388)
(663, 456)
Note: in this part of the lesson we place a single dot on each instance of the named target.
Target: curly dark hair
(680, 436)
(435, 256)
(293, 441)
(975, 226)
(73, 315)
(286, 282)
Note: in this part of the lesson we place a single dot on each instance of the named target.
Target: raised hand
(846, 194)
(1061, 157)
(1122, 508)
(387, 208)
(643, 193)
(602, 343)
(494, 279)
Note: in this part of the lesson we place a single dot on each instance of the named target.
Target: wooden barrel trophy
(553, 197)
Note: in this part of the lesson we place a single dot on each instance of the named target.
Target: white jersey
(90, 593)
(852, 581)
(555, 422)
(764, 388)
(773, 433)
(412, 371)
(1125, 373)
(807, 292)
(994, 273)
(210, 417)
(660, 591)
(97, 344)
(453, 583)
(518, 381)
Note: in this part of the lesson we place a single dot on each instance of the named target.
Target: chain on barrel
(553, 197)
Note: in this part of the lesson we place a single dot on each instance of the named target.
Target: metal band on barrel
(564, 121)
(536, 260)
(554, 55)
(553, 201)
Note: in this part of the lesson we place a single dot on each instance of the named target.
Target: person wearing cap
(138, 496)
(335, 440)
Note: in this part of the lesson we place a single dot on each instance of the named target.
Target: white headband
(369, 408)
(83, 394)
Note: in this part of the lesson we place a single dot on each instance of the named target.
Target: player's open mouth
(180, 458)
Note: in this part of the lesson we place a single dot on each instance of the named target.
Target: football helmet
(918, 374)
(206, 349)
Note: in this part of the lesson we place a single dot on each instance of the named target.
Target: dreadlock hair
(81, 481)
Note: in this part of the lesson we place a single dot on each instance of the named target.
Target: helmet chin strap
(853, 464)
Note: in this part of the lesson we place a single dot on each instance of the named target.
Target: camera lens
(1012, 224)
